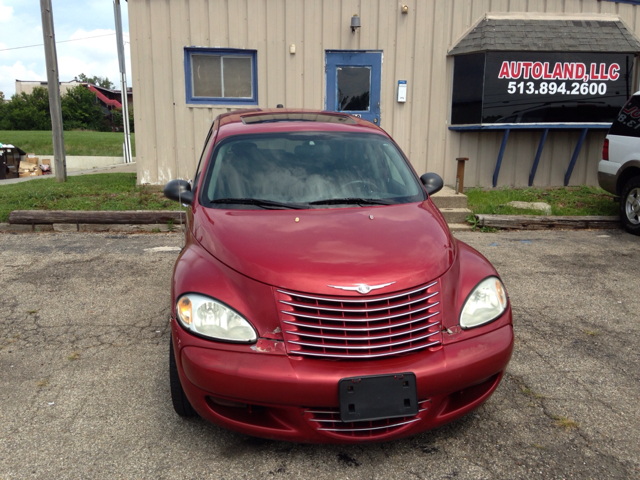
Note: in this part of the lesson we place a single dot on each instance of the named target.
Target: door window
(354, 87)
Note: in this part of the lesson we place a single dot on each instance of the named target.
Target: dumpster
(10, 161)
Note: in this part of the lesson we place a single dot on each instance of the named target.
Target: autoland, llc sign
(539, 87)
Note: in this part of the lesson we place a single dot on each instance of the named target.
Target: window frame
(631, 2)
(222, 52)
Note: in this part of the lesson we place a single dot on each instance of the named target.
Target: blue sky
(77, 20)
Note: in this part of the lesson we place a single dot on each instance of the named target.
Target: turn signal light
(184, 310)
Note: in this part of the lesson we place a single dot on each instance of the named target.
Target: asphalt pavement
(84, 387)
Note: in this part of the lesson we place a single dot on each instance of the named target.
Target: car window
(628, 121)
(306, 167)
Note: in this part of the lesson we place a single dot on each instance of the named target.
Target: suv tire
(181, 403)
(630, 206)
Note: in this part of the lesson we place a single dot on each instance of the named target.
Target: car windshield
(308, 170)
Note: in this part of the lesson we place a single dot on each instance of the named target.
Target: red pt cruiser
(320, 296)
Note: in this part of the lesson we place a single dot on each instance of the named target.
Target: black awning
(495, 33)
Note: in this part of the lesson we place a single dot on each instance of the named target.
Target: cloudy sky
(75, 20)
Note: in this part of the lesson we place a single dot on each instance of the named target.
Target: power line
(62, 41)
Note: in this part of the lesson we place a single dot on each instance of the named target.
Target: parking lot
(84, 387)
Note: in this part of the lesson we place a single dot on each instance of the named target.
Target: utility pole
(55, 107)
(123, 83)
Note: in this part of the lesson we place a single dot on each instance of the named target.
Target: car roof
(273, 120)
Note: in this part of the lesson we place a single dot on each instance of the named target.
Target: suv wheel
(630, 206)
(181, 403)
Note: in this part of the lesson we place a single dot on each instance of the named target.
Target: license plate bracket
(376, 397)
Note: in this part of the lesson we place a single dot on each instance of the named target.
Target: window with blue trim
(221, 76)
(632, 2)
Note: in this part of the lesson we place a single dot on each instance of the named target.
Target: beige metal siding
(170, 133)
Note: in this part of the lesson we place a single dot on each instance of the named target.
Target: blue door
(353, 83)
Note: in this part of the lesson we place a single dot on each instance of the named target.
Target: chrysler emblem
(362, 288)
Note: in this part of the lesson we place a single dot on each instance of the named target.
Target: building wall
(27, 86)
(170, 134)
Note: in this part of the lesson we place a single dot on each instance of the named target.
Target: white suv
(619, 169)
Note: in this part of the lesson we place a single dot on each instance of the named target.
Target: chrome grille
(361, 327)
(328, 420)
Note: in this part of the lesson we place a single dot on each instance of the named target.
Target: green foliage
(472, 220)
(103, 191)
(80, 110)
(27, 111)
(95, 80)
(131, 123)
(105, 144)
(116, 118)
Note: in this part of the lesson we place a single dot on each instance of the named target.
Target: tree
(27, 112)
(2, 107)
(80, 110)
(116, 118)
(98, 81)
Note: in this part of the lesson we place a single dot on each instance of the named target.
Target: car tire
(630, 206)
(181, 403)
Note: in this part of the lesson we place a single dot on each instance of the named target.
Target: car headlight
(210, 318)
(485, 303)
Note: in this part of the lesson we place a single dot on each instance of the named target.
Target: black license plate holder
(376, 397)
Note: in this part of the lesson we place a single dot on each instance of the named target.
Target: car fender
(197, 271)
(469, 268)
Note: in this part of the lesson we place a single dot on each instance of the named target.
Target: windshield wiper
(351, 201)
(260, 203)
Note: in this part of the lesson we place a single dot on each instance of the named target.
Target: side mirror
(432, 182)
(179, 190)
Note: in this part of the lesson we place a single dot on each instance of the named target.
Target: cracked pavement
(84, 387)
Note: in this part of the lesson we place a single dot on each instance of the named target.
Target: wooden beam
(541, 222)
(136, 217)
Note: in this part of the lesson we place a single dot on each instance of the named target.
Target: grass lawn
(581, 200)
(103, 191)
(83, 143)
(118, 191)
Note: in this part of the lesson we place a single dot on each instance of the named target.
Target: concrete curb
(89, 227)
(115, 168)
(129, 228)
(514, 222)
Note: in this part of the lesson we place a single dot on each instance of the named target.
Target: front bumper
(296, 399)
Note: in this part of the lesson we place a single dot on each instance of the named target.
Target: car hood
(308, 250)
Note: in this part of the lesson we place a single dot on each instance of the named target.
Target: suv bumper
(608, 175)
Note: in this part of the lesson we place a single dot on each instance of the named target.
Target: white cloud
(5, 13)
(73, 21)
(10, 73)
(97, 55)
